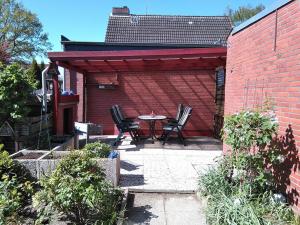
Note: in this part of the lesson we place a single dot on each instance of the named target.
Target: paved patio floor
(157, 176)
(164, 209)
(165, 169)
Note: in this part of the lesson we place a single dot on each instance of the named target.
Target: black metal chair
(178, 127)
(180, 109)
(122, 117)
(124, 126)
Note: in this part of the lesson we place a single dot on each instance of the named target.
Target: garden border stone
(43, 166)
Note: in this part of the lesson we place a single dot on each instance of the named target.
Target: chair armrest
(171, 120)
(129, 119)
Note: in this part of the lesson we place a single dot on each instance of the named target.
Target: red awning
(138, 60)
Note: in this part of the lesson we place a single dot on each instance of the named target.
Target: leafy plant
(97, 149)
(248, 129)
(229, 203)
(249, 134)
(215, 180)
(16, 86)
(78, 189)
(11, 169)
(22, 31)
(239, 189)
(35, 69)
(241, 209)
(16, 188)
(4, 56)
(10, 199)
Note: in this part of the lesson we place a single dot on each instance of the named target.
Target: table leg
(152, 129)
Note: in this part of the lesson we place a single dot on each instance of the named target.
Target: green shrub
(16, 87)
(240, 187)
(16, 188)
(10, 199)
(97, 149)
(247, 129)
(249, 134)
(11, 168)
(78, 189)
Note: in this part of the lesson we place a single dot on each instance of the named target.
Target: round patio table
(151, 119)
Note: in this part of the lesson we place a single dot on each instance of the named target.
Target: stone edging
(123, 208)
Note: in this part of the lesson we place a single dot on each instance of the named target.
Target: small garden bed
(28, 154)
(241, 188)
(56, 155)
(76, 190)
(31, 155)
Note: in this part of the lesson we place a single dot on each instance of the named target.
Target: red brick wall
(141, 92)
(257, 71)
(74, 82)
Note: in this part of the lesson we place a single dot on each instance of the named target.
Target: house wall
(142, 92)
(74, 82)
(264, 65)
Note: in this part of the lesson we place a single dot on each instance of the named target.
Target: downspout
(44, 89)
(85, 98)
(275, 31)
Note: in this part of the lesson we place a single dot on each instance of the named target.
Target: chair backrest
(115, 117)
(179, 112)
(187, 111)
(119, 112)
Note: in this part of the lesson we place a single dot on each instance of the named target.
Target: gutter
(273, 7)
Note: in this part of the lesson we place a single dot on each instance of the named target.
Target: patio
(151, 167)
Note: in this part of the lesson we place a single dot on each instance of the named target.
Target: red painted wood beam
(110, 66)
(69, 66)
(137, 54)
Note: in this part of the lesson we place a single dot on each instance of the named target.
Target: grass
(232, 203)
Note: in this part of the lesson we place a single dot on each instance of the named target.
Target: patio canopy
(139, 60)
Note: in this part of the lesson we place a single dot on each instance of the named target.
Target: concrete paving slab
(164, 209)
(164, 169)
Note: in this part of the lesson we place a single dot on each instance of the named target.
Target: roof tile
(159, 29)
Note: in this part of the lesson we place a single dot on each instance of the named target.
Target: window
(220, 77)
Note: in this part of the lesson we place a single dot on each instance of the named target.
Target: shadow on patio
(193, 143)
(172, 167)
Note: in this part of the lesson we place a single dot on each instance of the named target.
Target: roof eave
(138, 54)
(276, 5)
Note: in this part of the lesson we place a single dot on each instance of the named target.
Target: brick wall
(261, 67)
(141, 92)
(74, 81)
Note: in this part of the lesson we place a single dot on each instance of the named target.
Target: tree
(37, 73)
(42, 66)
(16, 86)
(243, 13)
(22, 30)
(4, 56)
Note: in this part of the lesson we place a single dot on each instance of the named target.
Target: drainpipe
(85, 99)
(44, 89)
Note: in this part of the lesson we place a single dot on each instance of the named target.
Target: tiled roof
(158, 29)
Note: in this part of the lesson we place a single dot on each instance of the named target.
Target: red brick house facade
(263, 63)
(150, 63)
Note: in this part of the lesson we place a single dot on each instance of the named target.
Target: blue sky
(87, 20)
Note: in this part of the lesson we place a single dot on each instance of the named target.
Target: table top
(152, 117)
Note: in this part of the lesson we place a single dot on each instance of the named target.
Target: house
(263, 65)
(147, 63)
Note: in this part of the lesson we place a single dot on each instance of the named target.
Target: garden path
(164, 209)
(151, 168)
